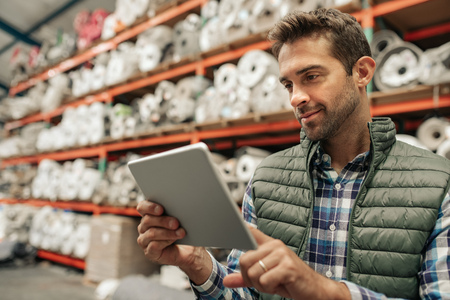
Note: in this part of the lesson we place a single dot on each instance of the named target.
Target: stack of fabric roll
(60, 232)
(251, 85)
(433, 134)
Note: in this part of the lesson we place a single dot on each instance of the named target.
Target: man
(349, 213)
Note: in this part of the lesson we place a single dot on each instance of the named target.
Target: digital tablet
(189, 186)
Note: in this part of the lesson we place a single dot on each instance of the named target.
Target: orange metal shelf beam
(410, 106)
(385, 8)
(107, 45)
(62, 259)
(427, 32)
(75, 206)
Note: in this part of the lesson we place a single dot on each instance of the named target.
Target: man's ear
(363, 71)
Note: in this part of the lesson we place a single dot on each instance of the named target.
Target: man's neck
(345, 147)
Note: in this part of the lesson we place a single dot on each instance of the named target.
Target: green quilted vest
(394, 212)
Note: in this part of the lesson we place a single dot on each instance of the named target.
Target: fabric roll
(432, 132)
(412, 140)
(82, 236)
(89, 180)
(382, 41)
(226, 78)
(150, 56)
(264, 15)
(269, 96)
(246, 166)
(435, 66)
(98, 77)
(211, 34)
(209, 10)
(181, 109)
(186, 36)
(398, 67)
(110, 24)
(254, 66)
(209, 106)
(303, 5)
(444, 149)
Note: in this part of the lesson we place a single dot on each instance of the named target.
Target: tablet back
(189, 186)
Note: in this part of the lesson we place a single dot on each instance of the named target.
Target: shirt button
(332, 227)
(338, 186)
(328, 274)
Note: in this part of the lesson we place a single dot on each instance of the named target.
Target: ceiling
(25, 23)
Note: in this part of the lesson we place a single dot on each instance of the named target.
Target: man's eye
(311, 77)
(287, 86)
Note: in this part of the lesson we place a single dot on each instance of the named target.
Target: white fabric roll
(181, 109)
(160, 35)
(269, 95)
(89, 180)
(303, 5)
(109, 25)
(412, 140)
(210, 10)
(209, 106)
(398, 67)
(432, 132)
(211, 34)
(150, 56)
(382, 41)
(246, 165)
(82, 236)
(435, 65)
(264, 15)
(98, 77)
(186, 36)
(254, 66)
(444, 149)
(226, 78)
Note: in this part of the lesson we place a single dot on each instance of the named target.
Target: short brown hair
(347, 39)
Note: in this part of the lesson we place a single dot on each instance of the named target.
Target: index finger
(259, 236)
(149, 208)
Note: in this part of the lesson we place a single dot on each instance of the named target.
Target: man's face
(321, 93)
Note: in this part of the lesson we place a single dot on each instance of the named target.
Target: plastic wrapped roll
(398, 67)
(209, 106)
(98, 77)
(226, 78)
(264, 15)
(210, 35)
(210, 10)
(125, 12)
(83, 127)
(269, 96)
(150, 55)
(235, 107)
(160, 35)
(254, 66)
(109, 27)
(89, 181)
(246, 165)
(67, 230)
(382, 41)
(191, 87)
(435, 66)
(237, 190)
(303, 5)
(123, 63)
(117, 129)
(432, 132)
(411, 140)
(186, 36)
(181, 109)
(444, 149)
(235, 18)
(82, 236)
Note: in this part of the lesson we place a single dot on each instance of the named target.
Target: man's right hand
(157, 234)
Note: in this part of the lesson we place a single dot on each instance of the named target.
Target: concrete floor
(43, 281)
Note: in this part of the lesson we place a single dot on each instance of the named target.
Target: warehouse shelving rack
(253, 130)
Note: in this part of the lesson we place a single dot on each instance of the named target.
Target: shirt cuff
(210, 288)
(359, 293)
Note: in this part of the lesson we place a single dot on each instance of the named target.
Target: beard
(335, 113)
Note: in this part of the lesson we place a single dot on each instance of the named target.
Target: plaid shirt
(327, 246)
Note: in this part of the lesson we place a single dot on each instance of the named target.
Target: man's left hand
(275, 269)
